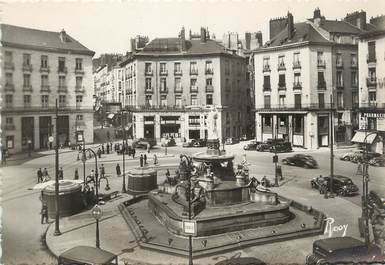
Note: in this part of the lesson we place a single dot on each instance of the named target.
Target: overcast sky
(106, 26)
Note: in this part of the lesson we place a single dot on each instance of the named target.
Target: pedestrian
(44, 213)
(145, 159)
(99, 153)
(76, 177)
(108, 149)
(92, 175)
(69, 145)
(118, 172)
(4, 156)
(108, 136)
(39, 176)
(148, 147)
(102, 170)
(45, 175)
(133, 152)
(141, 160)
(103, 149)
(111, 146)
(155, 159)
(61, 173)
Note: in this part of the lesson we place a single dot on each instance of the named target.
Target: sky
(107, 26)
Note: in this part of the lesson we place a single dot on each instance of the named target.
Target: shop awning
(359, 137)
(111, 116)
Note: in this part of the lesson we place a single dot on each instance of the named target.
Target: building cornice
(290, 46)
(47, 49)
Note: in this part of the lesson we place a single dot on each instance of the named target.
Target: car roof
(338, 243)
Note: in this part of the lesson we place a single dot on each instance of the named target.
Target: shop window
(298, 124)
(10, 141)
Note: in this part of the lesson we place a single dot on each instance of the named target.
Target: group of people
(43, 176)
(143, 160)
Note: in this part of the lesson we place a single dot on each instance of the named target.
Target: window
(227, 67)
(355, 99)
(62, 64)
(163, 85)
(163, 100)
(9, 120)
(209, 82)
(297, 79)
(266, 102)
(79, 81)
(321, 80)
(282, 99)
(209, 67)
(177, 68)
(44, 101)
(321, 100)
(8, 100)
(79, 100)
(8, 57)
(354, 79)
(26, 80)
(10, 142)
(163, 69)
(296, 58)
(148, 84)
(62, 82)
(8, 79)
(193, 84)
(372, 98)
(178, 84)
(267, 121)
(340, 79)
(26, 59)
(178, 100)
(27, 100)
(79, 117)
(44, 61)
(209, 99)
(320, 59)
(372, 124)
(372, 74)
(148, 100)
(282, 81)
(79, 64)
(194, 100)
(266, 82)
(340, 100)
(298, 124)
(44, 80)
(297, 101)
(193, 68)
(193, 120)
(281, 61)
(266, 64)
(148, 68)
(371, 51)
(339, 59)
(354, 60)
(62, 100)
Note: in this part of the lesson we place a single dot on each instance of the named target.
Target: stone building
(40, 67)
(172, 84)
(301, 74)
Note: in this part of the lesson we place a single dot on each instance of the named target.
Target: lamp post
(97, 214)
(275, 159)
(84, 159)
(331, 195)
(57, 216)
(124, 155)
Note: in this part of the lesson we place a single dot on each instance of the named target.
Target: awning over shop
(359, 137)
(111, 116)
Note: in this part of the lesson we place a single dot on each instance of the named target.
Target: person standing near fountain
(141, 160)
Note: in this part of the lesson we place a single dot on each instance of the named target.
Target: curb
(47, 245)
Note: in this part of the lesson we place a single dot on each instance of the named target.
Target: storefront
(45, 131)
(170, 127)
(27, 133)
(323, 130)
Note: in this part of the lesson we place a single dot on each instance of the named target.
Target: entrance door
(27, 133)
(44, 130)
(323, 131)
(63, 130)
(149, 131)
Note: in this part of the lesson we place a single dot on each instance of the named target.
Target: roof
(89, 255)
(27, 38)
(339, 26)
(373, 33)
(338, 243)
(303, 32)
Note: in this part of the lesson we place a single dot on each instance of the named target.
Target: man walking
(99, 153)
(103, 149)
(118, 172)
(44, 213)
(108, 149)
(145, 159)
(39, 176)
(155, 160)
(45, 175)
(102, 171)
(141, 160)
(61, 173)
(76, 177)
(3, 156)
(133, 152)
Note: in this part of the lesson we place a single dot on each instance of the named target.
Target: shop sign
(189, 227)
(375, 115)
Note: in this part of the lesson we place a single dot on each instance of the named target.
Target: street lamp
(97, 214)
(124, 155)
(57, 216)
(275, 158)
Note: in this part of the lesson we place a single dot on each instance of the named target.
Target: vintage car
(282, 147)
(169, 142)
(143, 142)
(378, 161)
(252, 145)
(300, 160)
(358, 156)
(342, 185)
(343, 250)
(195, 143)
(231, 140)
(376, 199)
(266, 145)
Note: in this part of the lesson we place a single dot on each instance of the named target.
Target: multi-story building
(172, 83)
(371, 50)
(40, 67)
(306, 71)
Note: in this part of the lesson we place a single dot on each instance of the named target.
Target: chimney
(317, 17)
(63, 35)
(203, 34)
(357, 19)
(290, 26)
(276, 26)
(182, 37)
(247, 40)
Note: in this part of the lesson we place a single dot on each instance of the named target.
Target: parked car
(243, 138)
(342, 185)
(252, 145)
(266, 145)
(300, 160)
(144, 142)
(195, 143)
(231, 140)
(376, 199)
(282, 147)
(347, 250)
(358, 156)
(377, 161)
(169, 142)
(349, 155)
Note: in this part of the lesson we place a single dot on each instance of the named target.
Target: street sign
(189, 227)
(50, 139)
(97, 212)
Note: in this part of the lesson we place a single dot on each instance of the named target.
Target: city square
(191, 148)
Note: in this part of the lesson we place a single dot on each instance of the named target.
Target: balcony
(163, 72)
(148, 72)
(296, 65)
(371, 82)
(45, 89)
(267, 87)
(148, 90)
(163, 90)
(297, 85)
(193, 71)
(371, 58)
(9, 87)
(79, 71)
(44, 69)
(62, 89)
(266, 68)
(193, 89)
(27, 68)
(281, 67)
(27, 88)
(178, 72)
(321, 63)
(339, 64)
(372, 105)
(62, 70)
(209, 71)
(80, 89)
(209, 89)
(321, 85)
(9, 66)
(178, 89)
(291, 107)
(281, 86)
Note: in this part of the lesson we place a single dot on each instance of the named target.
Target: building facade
(173, 83)
(306, 72)
(372, 90)
(40, 67)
